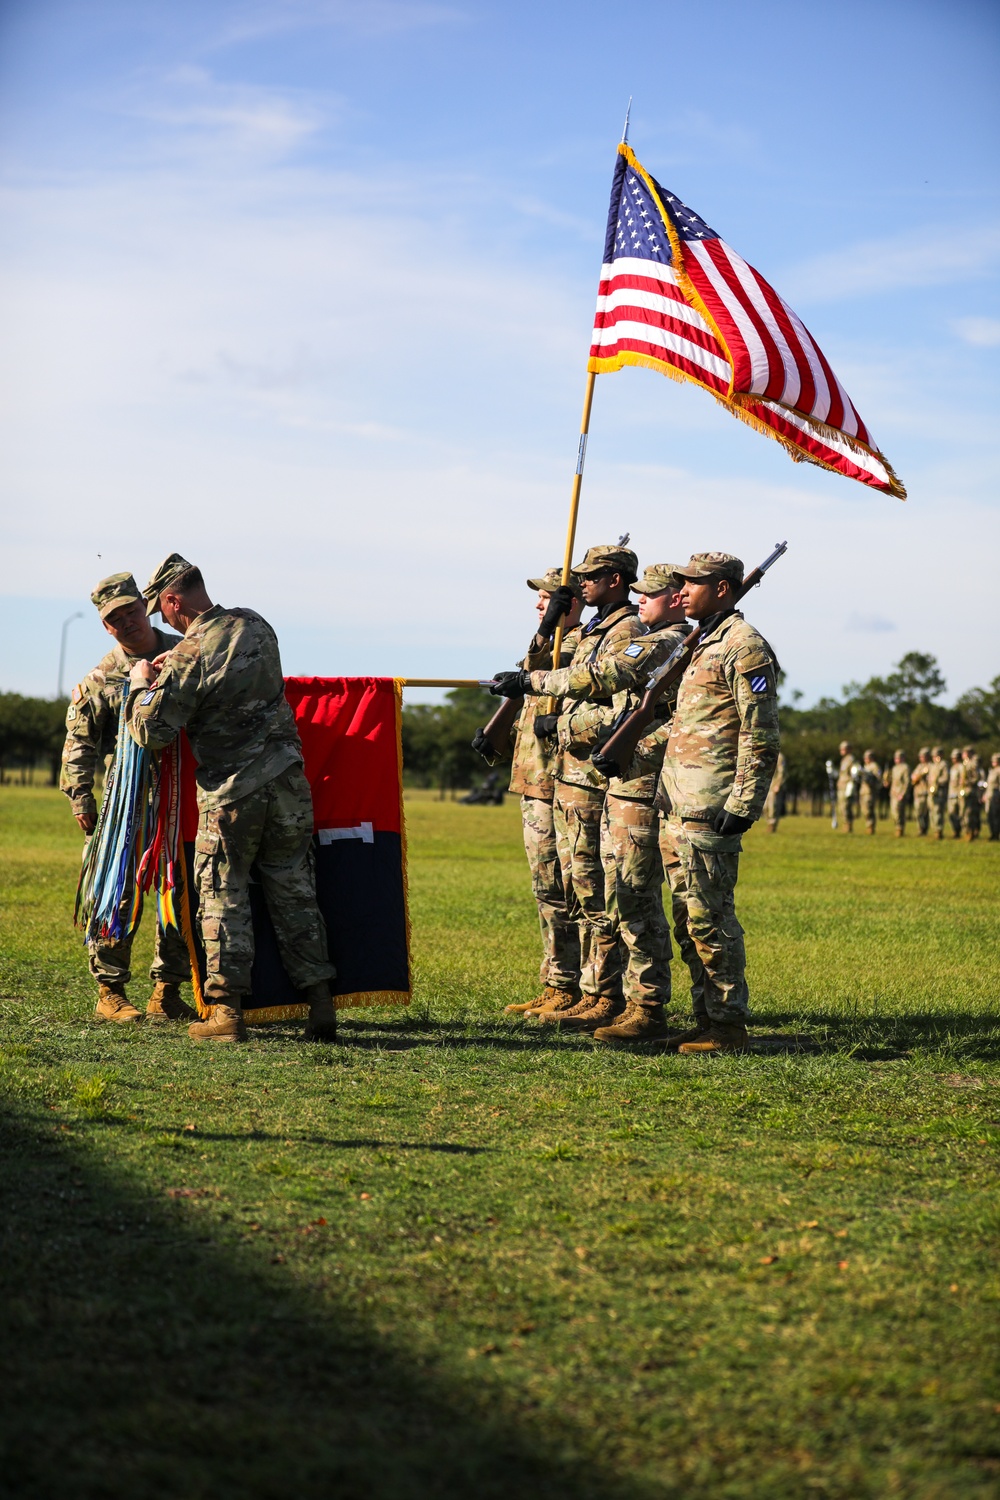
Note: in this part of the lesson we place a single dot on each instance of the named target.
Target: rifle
(620, 748)
(497, 731)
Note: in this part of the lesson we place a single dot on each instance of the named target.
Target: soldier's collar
(608, 612)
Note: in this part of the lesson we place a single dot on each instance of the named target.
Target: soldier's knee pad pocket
(206, 858)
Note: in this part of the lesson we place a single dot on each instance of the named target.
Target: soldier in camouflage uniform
(631, 850)
(722, 749)
(953, 805)
(937, 784)
(91, 740)
(532, 778)
(593, 690)
(869, 787)
(899, 791)
(223, 683)
(991, 800)
(970, 805)
(848, 775)
(774, 802)
(921, 790)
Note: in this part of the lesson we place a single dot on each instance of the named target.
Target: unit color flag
(674, 296)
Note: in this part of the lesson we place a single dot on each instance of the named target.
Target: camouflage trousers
(110, 963)
(899, 810)
(577, 814)
(706, 882)
(679, 917)
(937, 813)
(560, 966)
(922, 812)
(633, 897)
(869, 807)
(954, 811)
(971, 815)
(993, 815)
(774, 808)
(847, 808)
(269, 832)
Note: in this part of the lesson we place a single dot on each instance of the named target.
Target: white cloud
(869, 624)
(921, 257)
(984, 332)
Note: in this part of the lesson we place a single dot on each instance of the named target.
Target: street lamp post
(62, 648)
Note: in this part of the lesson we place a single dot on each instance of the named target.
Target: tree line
(901, 711)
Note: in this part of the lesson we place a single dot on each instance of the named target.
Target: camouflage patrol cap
(936, 750)
(924, 750)
(170, 568)
(114, 591)
(956, 754)
(968, 749)
(551, 581)
(657, 578)
(713, 565)
(609, 559)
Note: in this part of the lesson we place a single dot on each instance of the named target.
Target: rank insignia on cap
(633, 650)
(758, 683)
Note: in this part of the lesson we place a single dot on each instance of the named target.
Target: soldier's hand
(606, 764)
(159, 660)
(142, 674)
(511, 684)
(730, 824)
(86, 820)
(481, 745)
(560, 603)
(545, 725)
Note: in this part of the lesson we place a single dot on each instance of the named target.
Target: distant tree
(980, 707)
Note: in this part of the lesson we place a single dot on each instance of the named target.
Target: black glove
(482, 746)
(605, 764)
(729, 824)
(545, 725)
(560, 603)
(511, 684)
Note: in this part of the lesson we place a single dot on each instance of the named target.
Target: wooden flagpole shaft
(449, 682)
(574, 508)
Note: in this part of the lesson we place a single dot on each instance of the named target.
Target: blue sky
(304, 290)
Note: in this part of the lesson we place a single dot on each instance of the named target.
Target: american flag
(676, 297)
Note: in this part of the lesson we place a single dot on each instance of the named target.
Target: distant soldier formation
(959, 794)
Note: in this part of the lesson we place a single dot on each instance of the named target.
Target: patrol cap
(552, 581)
(170, 568)
(924, 750)
(956, 754)
(936, 750)
(114, 591)
(609, 559)
(713, 565)
(968, 749)
(657, 577)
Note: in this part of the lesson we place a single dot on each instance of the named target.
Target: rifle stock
(497, 731)
(621, 746)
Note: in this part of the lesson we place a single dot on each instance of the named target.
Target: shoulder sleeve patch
(753, 659)
(77, 692)
(636, 649)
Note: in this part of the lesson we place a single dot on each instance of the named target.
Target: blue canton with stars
(635, 228)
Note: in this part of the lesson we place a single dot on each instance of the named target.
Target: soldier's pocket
(641, 865)
(206, 860)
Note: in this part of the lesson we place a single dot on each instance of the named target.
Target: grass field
(457, 1257)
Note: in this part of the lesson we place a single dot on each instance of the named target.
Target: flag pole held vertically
(574, 507)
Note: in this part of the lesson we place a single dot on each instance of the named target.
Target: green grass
(454, 1256)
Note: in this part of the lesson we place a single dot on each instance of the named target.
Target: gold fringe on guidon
(733, 401)
(365, 999)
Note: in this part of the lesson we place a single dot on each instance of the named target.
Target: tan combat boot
(322, 1023)
(563, 1003)
(603, 1012)
(639, 1023)
(165, 1004)
(114, 1005)
(545, 999)
(225, 1024)
(717, 1039)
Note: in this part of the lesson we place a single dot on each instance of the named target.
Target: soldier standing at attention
(991, 801)
(869, 789)
(774, 802)
(91, 739)
(532, 778)
(631, 846)
(937, 781)
(970, 806)
(721, 753)
(223, 683)
(954, 804)
(846, 786)
(899, 791)
(920, 785)
(598, 678)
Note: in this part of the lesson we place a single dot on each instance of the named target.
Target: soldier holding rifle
(937, 781)
(722, 749)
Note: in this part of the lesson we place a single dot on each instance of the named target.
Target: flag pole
(574, 499)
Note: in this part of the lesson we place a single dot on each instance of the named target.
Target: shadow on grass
(140, 1359)
(874, 1038)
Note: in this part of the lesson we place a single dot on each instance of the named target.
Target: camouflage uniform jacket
(723, 743)
(847, 776)
(899, 781)
(222, 683)
(871, 776)
(969, 779)
(533, 771)
(937, 780)
(954, 780)
(92, 722)
(599, 682)
(644, 772)
(992, 785)
(920, 780)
